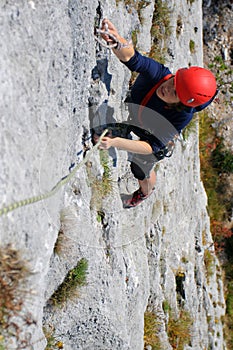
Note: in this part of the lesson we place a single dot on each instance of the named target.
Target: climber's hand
(108, 26)
(106, 143)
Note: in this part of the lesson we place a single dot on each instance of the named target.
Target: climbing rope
(116, 43)
(56, 188)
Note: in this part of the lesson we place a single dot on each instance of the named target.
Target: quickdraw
(116, 43)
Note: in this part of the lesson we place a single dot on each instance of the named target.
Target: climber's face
(167, 92)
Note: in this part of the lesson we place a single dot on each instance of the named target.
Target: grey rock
(49, 99)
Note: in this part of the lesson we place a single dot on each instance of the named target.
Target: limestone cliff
(158, 257)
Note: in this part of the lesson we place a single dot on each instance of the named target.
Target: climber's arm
(125, 53)
(134, 146)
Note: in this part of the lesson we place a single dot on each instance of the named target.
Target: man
(162, 105)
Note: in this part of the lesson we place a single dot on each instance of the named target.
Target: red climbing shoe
(135, 199)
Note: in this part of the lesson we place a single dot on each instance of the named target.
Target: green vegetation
(179, 329)
(209, 260)
(222, 159)
(166, 307)
(216, 163)
(137, 5)
(222, 69)
(160, 24)
(134, 37)
(192, 46)
(13, 272)
(52, 341)
(74, 279)
(107, 172)
(101, 188)
(1, 343)
(190, 2)
(151, 331)
(220, 65)
(100, 217)
(214, 160)
(160, 29)
(184, 260)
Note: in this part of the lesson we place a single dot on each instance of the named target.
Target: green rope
(56, 188)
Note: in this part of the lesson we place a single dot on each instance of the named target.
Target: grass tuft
(13, 272)
(192, 46)
(101, 188)
(60, 242)
(52, 341)
(74, 279)
(179, 329)
(160, 29)
(209, 260)
(151, 331)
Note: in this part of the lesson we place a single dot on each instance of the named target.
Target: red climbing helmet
(195, 85)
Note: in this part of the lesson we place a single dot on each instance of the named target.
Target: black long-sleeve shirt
(157, 118)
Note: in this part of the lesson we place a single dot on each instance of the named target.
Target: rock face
(55, 82)
(218, 51)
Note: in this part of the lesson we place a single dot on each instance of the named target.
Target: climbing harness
(116, 43)
(168, 149)
(56, 188)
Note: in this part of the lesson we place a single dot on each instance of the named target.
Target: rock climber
(163, 104)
